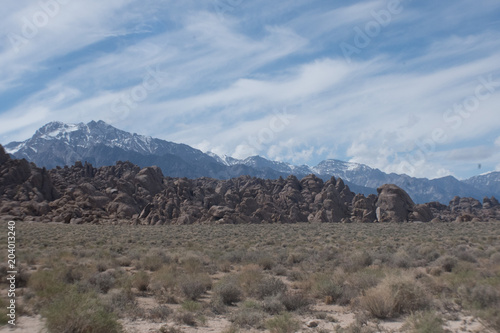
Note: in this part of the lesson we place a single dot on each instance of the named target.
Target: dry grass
(256, 276)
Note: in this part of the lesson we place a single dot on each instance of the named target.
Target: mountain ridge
(58, 144)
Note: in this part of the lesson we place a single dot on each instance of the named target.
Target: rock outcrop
(393, 204)
(125, 193)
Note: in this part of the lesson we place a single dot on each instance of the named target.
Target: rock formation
(125, 193)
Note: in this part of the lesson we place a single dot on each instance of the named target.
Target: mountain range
(59, 144)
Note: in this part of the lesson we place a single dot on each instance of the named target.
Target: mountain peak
(59, 144)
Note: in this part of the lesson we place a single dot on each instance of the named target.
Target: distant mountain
(420, 189)
(59, 144)
(489, 182)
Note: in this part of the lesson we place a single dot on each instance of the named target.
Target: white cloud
(224, 79)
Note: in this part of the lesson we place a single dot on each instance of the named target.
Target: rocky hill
(125, 193)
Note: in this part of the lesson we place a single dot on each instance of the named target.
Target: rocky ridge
(126, 193)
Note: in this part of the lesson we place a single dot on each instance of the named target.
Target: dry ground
(254, 278)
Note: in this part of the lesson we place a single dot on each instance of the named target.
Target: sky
(404, 86)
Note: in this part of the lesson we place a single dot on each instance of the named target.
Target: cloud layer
(398, 85)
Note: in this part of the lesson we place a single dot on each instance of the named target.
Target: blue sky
(405, 86)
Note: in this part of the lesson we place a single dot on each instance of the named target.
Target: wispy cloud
(224, 79)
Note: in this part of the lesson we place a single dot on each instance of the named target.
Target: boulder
(421, 213)
(393, 204)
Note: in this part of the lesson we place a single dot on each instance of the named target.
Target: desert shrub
(102, 282)
(332, 288)
(266, 262)
(357, 261)
(401, 260)
(365, 279)
(409, 296)
(327, 286)
(231, 329)
(424, 322)
(77, 312)
(228, 291)
(250, 278)
(378, 302)
(217, 306)
(270, 286)
(294, 275)
(495, 258)
(103, 265)
(248, 317)
(295, 258)
(192, 265)
(448, 263)
(169, 329)
(72, 274)
(491, 318)
(279, 270)
(124, 261)
(185, 318)
(191, 306)
(273, 305)
(465, 255)
(46, 284)
(395, 296)
(283, 323)
(483, 296)
(224, 266)
(123, 300)
(234, 257)
(152, 263)
(193, 286)
(295, 301)
(166, 277)
(141, 281)
(22, 277)
(159, 313)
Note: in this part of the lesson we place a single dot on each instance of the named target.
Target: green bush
(102, 282)
(273, 305)
(395, 296)
(448, 263)
(248, 318)
(159, 314)
(424, 322)
(46, 284)
(283, 323)
(77, 312)
(123, 300)
(228, 291)
(141, 281)
(152, 262)
(193, 286)
(270, 286)
(295, 301)
(191, 306)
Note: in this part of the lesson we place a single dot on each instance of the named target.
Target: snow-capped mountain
(59, 144)
(490, 182)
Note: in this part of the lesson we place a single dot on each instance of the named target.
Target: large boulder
(421, 213)
(151, 179)
(393, 204)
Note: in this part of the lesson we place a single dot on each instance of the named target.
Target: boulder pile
(125, 193)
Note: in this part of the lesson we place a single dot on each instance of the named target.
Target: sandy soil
(341, 315)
